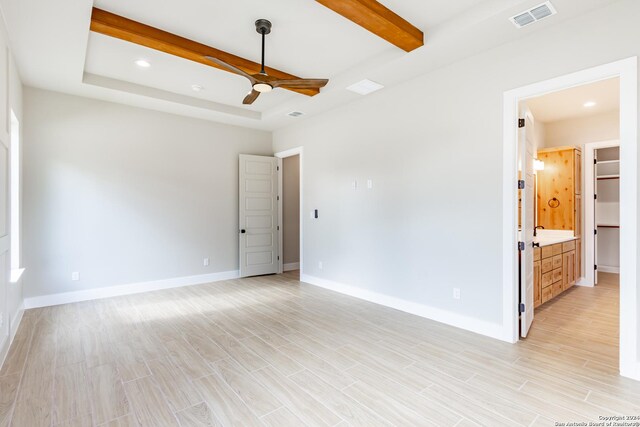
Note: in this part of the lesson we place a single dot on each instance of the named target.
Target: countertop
(553, 237)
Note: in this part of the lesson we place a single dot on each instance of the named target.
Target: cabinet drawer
(557, 261)
(556, 288)
(547, 279)
(569, 246)
(547, 252)
(547, 265)
(547, 294)
(557, 275)
(537, 254)
(557, 249)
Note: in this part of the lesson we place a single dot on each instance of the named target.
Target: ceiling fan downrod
(263, 27)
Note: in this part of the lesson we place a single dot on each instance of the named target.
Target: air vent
(535, 14)
(295, 114)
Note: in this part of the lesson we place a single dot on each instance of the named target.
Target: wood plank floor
(269, 351)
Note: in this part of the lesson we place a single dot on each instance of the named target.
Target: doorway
(290, 209)
(562, 255)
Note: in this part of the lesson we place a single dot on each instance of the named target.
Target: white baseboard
(291, 266)
(608, 269)
(128, 289)
(489, 329)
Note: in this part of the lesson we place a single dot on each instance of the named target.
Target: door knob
(243, 231)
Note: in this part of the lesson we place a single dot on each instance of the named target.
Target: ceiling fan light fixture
(262, 87)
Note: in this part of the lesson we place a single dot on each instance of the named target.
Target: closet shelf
(607, 162)
(608, 225)
(608, 177)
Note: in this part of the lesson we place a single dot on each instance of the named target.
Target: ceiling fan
(262, 82)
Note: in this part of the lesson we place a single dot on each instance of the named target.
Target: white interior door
(258, 215)
(595, 217)
(4, 243)
(527, 208)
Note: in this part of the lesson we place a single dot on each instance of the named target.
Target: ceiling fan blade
(251, 97)
(300, 83)
(231, 68)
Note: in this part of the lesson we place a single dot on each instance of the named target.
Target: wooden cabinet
(568, 269)
(537, 289)
(578, 259)
(558, 185)
(554, 270)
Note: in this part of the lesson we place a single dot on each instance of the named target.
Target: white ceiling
(55, 50)
(569, 103)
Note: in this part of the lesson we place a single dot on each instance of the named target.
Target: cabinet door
(578, 216)
(577, 175)
(578, 273)
(537, 284)
(568, 269)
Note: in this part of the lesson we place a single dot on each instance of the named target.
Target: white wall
(291, 209)
(579, 131)
(433, 147)
(10, 99)
(125, 195)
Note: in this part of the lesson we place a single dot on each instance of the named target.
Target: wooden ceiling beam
(383, 22)
(122, 28)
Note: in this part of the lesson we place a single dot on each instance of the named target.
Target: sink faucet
(535, 230)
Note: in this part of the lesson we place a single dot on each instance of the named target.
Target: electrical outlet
(205, 262)
(75, 276)
(456, 293)
(319, 265)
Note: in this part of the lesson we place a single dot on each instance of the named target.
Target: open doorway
(555, 121)
(291, 213)
(290, 210)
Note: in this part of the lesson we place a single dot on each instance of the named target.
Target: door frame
(589, 214)
(298, 151)
(626, 70)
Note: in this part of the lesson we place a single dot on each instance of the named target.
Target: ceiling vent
(532, 15)
(295, 114)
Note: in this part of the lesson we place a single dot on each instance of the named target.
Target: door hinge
(521, 308)
(278, 228)
(595, 161)
(277, 197)
(277, 168)
(521, 123)
(595, 232)
(278, 257)
(595, 197)
(521, 184)
(595, 267)
(521, 246)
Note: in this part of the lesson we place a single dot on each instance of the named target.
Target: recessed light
(589, 104)
(143, 63)
(295, 114)
(197, 88)
(365, 87)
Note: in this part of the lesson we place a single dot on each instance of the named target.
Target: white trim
(298, 151)
(13, 329)
(128, 289)
(608, 269)
(493, 330)
(588, 190)
(627, 71)
(292, 266)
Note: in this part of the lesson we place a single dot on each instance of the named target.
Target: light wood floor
(268, 351)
